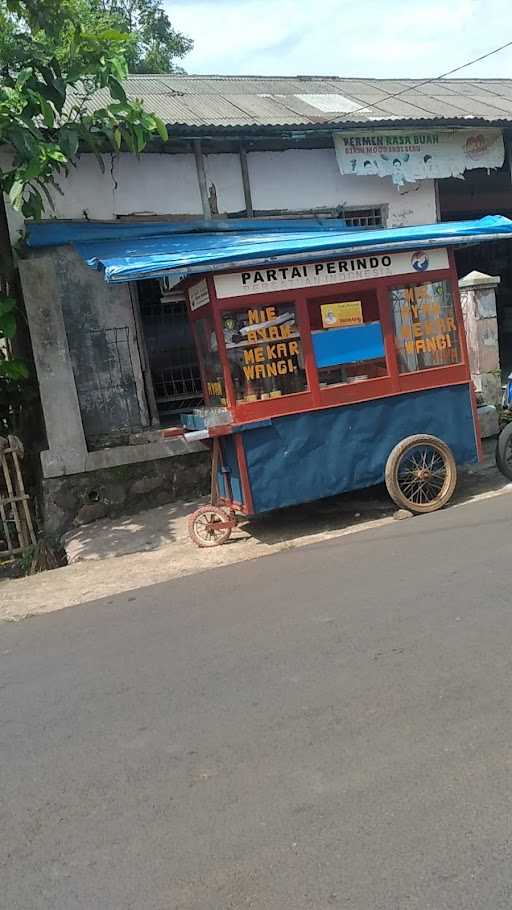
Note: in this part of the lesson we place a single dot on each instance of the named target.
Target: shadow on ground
(167, 524)
(333, 514)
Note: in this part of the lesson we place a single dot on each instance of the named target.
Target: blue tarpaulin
(351, 344)
(150, 251)
(55, 233)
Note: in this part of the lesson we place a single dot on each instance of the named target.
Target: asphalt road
(328, 727)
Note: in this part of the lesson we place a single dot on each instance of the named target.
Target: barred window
(363, 218)
(370, 217)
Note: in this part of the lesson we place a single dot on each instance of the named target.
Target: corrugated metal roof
(265, 101)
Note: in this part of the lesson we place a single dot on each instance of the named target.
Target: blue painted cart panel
(303, 457)
(230, 460)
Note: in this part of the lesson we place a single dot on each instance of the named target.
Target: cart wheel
(504, 451)
(421, 474)
(210, 526)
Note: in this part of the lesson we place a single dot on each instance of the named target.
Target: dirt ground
(109, 557)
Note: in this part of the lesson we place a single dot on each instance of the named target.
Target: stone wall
(78, 499)
(101, 341)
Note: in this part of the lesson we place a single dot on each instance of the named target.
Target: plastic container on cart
(203, 418)
(192, 422)
(217, 417)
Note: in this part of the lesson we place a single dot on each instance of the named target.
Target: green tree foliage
(50, 76)
(53, 70)
(16, 393)
(154, 44)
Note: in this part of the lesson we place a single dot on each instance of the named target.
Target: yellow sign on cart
(338, 315)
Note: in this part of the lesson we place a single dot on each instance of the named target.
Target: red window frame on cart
(346, 393)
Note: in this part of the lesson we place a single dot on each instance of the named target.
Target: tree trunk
(7, 270)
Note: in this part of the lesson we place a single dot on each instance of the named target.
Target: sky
(374, 38)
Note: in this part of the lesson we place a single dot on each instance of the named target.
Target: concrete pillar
(67, 449)
(478, 299)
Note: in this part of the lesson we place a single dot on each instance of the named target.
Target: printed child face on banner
(429, 165)
(397, 174)
(370, 167)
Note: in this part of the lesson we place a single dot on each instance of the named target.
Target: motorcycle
(504, 442)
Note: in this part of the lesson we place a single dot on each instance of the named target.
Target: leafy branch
(48, 114)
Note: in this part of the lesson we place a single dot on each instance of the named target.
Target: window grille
(363, 218)
(370, 217)
(171, 350)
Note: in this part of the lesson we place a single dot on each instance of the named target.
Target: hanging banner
(419, 154)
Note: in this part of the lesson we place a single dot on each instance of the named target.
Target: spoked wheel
(210, 526)
(421, 474)
(504, 451)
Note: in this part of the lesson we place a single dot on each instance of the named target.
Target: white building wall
(86, 192)
(290, 181)
(158, 184)
(225, 173)
(304, 179)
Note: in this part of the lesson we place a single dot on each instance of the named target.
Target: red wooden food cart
(332, 375)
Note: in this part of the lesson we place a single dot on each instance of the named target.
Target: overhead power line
(416, 85)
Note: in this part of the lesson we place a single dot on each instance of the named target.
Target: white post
(67, 449)
(478, 299)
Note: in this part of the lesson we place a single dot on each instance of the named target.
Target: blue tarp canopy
(130, 252)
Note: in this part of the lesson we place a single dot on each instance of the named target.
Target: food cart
(331, 375)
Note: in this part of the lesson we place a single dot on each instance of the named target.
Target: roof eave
(190, 131)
